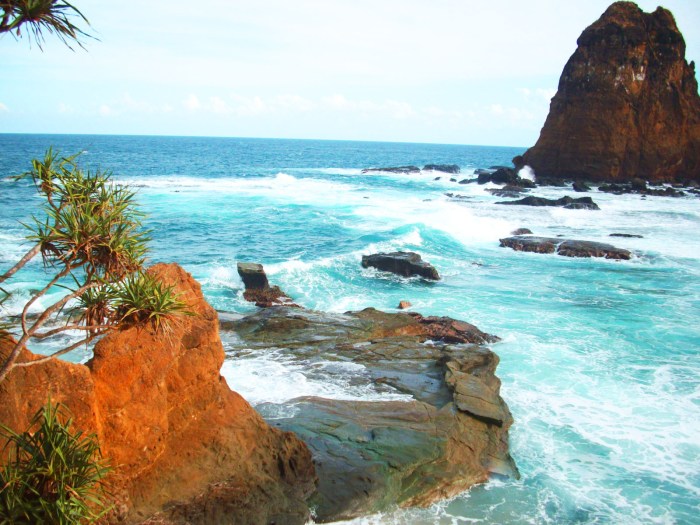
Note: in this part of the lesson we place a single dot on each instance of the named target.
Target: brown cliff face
(178, 436)
(627, 105)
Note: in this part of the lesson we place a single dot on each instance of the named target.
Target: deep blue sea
(600, 360)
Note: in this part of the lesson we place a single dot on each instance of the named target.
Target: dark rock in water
(401, 263)
(467, 181)
(445, 168)
(509, 191)
(404, 304)
(549, 181)
(627, 235)
(627, 104)
(437, 178)
(567, 248)
(582, 203)
(258, 289)
(495, 168)
(458, 197)
(449, 433)
(394, 169)
(581, 186)
(521, 231)
(526, 183)
(571, 248)
(641, 188)
(530, 244)
(253, 276)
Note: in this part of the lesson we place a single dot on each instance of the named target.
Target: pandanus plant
(92, 244)
(42, 16)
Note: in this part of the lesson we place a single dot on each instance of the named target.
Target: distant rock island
(627, 105)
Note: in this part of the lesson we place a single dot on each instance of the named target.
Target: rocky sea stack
(627, 105)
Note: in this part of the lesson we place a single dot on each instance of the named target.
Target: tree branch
(24, 260)
(44, 335)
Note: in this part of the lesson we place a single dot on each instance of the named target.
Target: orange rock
(177, 435)
(627, 105)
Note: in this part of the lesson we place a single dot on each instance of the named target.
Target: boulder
(444, 168)
(567, 248)
(449, 432)
(581, 187)
(401, 263)
(403, 305)
(509, 190)
(185, 448)
(521, 231)
(627, 104)
(582, 203)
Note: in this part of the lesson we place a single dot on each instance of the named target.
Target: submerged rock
(627, 235)
(448, 432)
(401, 263)
(582, 203)
(567, 248)
(522, 231)
(627, 104)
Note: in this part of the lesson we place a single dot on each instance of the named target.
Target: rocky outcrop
(582, 203)
(567, 248)
(503, 175)
(627, 105)
(448, 432)
(258, 289)
(184, 446)
(640, 187)
(393, 169)
(401, 263)
(444, 168)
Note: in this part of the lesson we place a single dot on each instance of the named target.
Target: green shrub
(52, 475)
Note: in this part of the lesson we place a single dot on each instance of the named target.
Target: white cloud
(192, 103)
(218, 105)
(106, 111)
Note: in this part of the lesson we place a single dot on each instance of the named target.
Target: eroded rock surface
(258, 289)
(185, 446)
(448, 432)
(401, 263)
(567, 248)
(627, 105)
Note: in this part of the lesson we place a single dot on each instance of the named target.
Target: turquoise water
(599, 359)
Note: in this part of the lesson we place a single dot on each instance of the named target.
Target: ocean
(600, 359)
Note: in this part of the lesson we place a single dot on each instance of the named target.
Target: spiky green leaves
(39, 16)
(52, 474)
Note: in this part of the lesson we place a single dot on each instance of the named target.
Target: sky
(438, 71)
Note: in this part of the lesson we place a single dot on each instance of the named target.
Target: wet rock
(401, 263)
(567, 248)
(394, 169)
(458, 197)
(581, 187)
(449, 432)
(565, 202)
(627, 235)
(521, 231)
(640, 188)
(509, 190)
(444, 168)
(258, 289)
(404, 304)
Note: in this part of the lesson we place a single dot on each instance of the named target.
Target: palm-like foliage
(92, 238)
(52, 475)
(39, 16)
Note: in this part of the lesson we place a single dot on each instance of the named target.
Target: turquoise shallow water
(599, 359)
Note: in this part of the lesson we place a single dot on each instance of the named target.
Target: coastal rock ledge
(627, 105)
(186, 448)
(426, 422)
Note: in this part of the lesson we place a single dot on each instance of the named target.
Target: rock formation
(184, 445)
(258, 289)
(565, 247)
(401, 263)
(627, 105)
(582, 203)
(448, 433)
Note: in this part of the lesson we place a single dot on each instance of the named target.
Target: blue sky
(444, 71)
